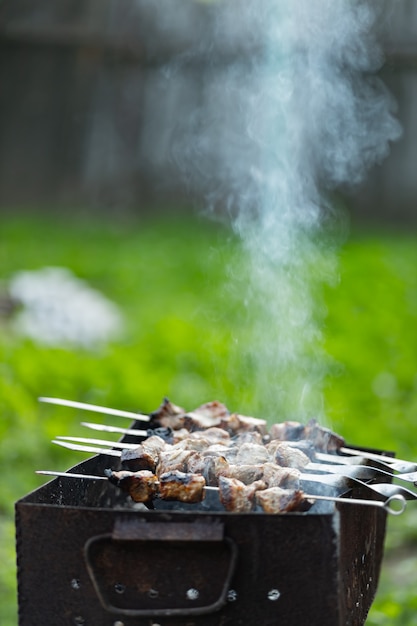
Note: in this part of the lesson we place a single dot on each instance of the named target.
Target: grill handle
(146, 569)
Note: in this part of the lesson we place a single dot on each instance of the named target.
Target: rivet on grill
(192, 594)
(119, 588)
(153, 593)
(273, 595)
(232, 595)
(118, 623)
(79, 621)
(75, 583)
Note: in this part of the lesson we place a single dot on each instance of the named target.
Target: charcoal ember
(287, 431)
(208, 466)
(323, 438)
(182, 486)
(237, 497)
(287, 455)
(142, 486)
(277, 500)
(174, 460)
(145, 456)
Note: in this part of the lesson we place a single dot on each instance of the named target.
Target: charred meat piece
(248, 436)
(237, 497)
(145, 456)
(214, 435)
(142, 486)
(252, 454)
(181, 486)
(236, 424)
(277, 500)
(174, 460)
(247, 474)
(287, 431)
(205, 416)
(168, 415)
(287, 455)
(275, 476)
(192, 443)
(208, 466)
(305, 446)
(323, 438)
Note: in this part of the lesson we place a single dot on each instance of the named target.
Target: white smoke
(296, 111)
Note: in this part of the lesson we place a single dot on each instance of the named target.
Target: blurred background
(90, 186)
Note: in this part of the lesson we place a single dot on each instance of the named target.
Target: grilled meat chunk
(174, 460)
(168, 415)
(181, 486)
(323, 438)
(276, 476)
(237, 497)
(214, 435)
(277, 500)
(236, 424)
(142, 486)
(247, 474)
(287, 431)
(209, 466)
(287, 455)
(248, 436)
(145, 456)
(206, 416)
(252, 454)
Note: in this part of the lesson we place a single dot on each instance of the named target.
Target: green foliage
(180, 283)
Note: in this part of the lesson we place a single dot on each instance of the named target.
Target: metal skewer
(386, 505)
(82, 448)
(95, 408)
(133, 432)
(105, 442)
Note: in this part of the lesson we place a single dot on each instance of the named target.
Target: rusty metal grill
(86, 556)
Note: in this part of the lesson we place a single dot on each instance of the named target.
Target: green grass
(171, 277)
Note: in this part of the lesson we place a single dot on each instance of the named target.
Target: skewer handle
(387, 504)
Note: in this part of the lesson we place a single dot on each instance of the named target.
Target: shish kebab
(308, 463)
(145, 456)
(252, 434)
(173, 417)
(236, 497)
(151, 457)
(212, 464)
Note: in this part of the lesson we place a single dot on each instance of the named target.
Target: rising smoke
(290, 109)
